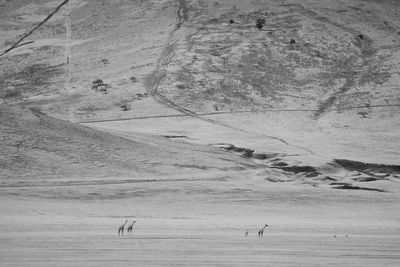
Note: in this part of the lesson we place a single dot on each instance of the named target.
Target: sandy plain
(201, 91)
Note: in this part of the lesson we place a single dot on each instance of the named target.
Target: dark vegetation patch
(352, 187)
(312, 174)
(279, 164)
(174, 136)
(264, 156)
(339, 183)
(301, 169)
(191, 166)
(367, 167)
(366, 179)
(328, 178)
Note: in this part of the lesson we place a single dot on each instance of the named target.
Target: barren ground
(201, 128)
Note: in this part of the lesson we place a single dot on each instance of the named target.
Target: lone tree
(99, 85)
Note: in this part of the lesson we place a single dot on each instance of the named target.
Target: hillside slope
(319, 80)
(309, 55)
(37, 148)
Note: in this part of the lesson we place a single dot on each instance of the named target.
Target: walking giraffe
(261, 231)
(130, 227)
(121, 228)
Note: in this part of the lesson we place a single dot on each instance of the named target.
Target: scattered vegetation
(140, 96)
(104, 61)
(32, 79)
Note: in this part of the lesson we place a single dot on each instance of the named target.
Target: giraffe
(121, 228)
(261, 231)
(247, 232)
(130, 227)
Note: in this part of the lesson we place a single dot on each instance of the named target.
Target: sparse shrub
(104, 61)
(363, 113)
(140, 96)
(279, 164)
(260, 23)
(126, 107)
